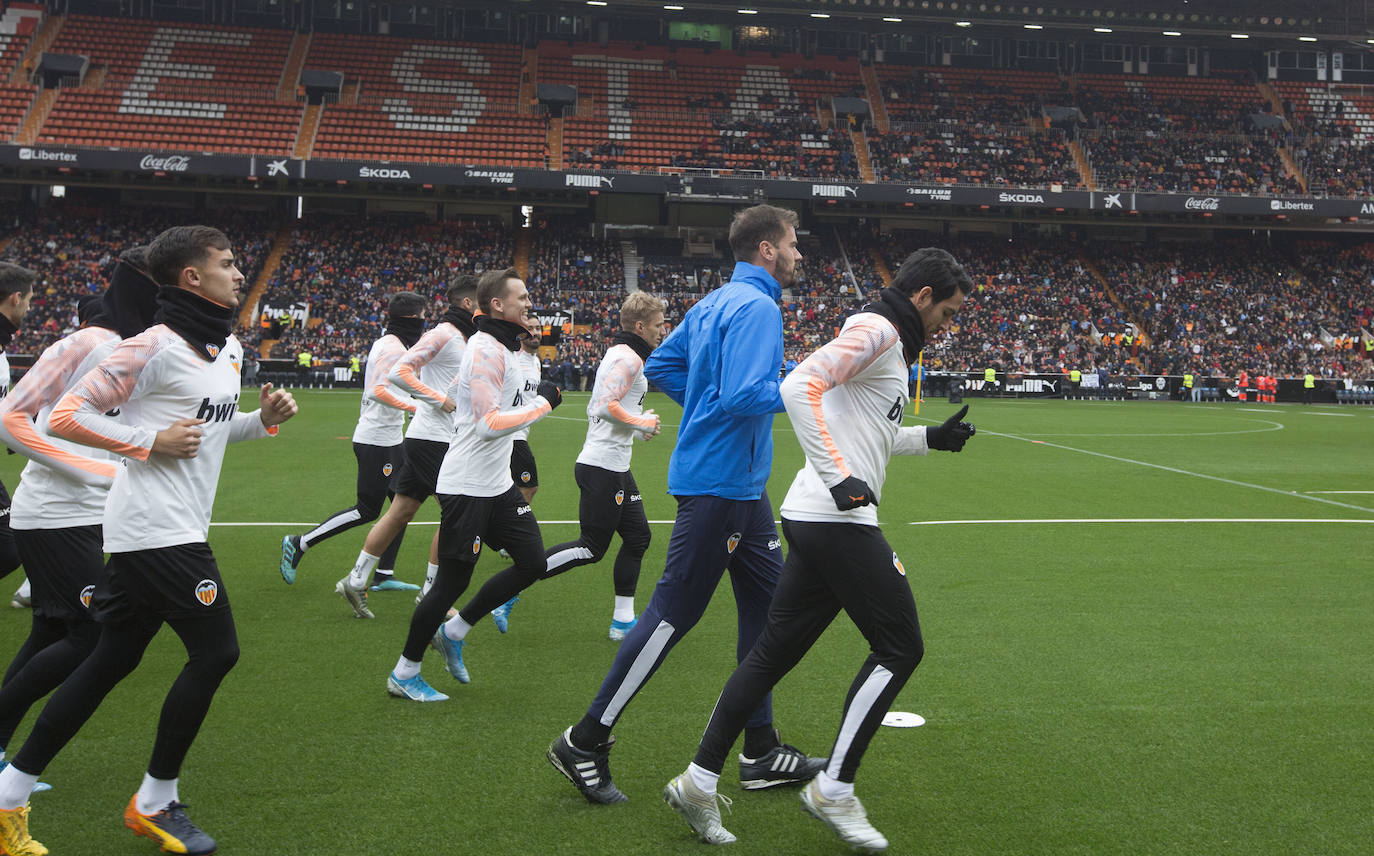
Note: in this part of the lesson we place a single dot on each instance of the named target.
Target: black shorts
(522, 469)
(379, 468)
(147, 587)
(64, 568)
(503, 521)
(423, 458)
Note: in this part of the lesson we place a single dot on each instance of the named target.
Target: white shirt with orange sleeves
(492, 406)
(532, 371)
(64, 484)
(614, 417)
(846, 402)
(155, 379)
(425, 372)
(382, 414)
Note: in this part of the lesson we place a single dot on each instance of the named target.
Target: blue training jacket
(721, 364)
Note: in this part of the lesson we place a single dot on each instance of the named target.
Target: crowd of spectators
(778, 145)
(925, 97)
(565, 256)
(973, 153)
(344, 269)
(1336, 166)
(74, 249)
(1218, 308)
(1182, 163)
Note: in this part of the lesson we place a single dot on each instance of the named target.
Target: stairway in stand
(248, 307)
(629, 254)
(524, 243)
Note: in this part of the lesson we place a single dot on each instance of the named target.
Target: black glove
(852, 493)
(952, 435)
(549, 390)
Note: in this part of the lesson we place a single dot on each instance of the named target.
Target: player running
(846, 402)
(177, 385)
(610, 500)
(479, 499)
(425, 371)
(60, 501)
(377, 444)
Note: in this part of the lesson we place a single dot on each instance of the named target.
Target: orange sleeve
(80, 415)
(485, 384)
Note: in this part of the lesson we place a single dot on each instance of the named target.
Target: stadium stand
(73, 248)
(178, 87)
(423, 101)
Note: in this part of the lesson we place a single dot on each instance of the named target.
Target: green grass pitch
(1196, 677)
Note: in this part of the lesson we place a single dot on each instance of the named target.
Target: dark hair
(933, 267)
(463, 285)
(180, 247)
(492, 286)
(406, 304)
(15, 279)
(756, 224)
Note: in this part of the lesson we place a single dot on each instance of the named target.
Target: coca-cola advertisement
(165, 163)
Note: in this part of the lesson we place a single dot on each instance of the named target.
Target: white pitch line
(1183, 472)
(1006, 521)
(1339, 491)
(1303, 520)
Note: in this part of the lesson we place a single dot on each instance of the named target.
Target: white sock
(703, 778)
(456, 628)
(406, 669)
(15, 788)
(155, 794)
(357, 578)
(430, 572)
(833, 789)
(24, 589)
(624, 608)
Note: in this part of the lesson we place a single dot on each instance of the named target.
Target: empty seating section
(175, 86)
(14, 103)
(13, 45)
(644, 108)
(1332, 111)
(437, 102)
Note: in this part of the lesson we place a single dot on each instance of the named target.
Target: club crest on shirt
(86, 596)
(897, 563)
(212, 350)
(386, 469)
(525, 477)
(476, 545)
(732, 542)
(207, 591)
(233, 361)
(619, 497)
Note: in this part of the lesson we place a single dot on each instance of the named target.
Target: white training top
(532, 371)
(613, 414)
(382, 414)
(155, 378)
(492, 406)
(425, 372)
(846, 402)
(64, 484)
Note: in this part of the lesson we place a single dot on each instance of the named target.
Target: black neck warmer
(507, 333)
(462, 319)
(204, 324)
(637, 343)
(408, 330)
(896, 307)
(7, 331)
(129, 304)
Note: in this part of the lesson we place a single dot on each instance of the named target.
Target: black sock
(589, 734)
(759, 740)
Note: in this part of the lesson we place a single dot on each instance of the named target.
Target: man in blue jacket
(721, 364)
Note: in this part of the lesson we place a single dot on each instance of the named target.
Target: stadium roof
(1326, 19)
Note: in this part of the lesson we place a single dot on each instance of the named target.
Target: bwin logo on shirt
(732, 542)
(221, 412)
